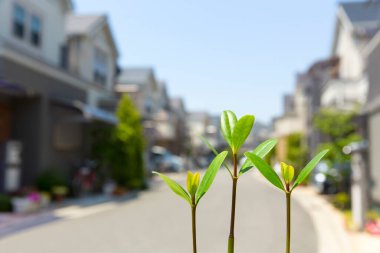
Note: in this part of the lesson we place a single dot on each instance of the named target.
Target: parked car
(165, 161)
(331, 180)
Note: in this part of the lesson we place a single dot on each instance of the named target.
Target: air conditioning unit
(13, 151)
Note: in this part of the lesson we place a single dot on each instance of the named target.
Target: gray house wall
(373, 110)
(35, 117)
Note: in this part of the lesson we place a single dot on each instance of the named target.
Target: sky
(241, 55)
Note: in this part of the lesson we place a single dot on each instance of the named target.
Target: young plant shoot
(286, 184)
(235, 132)
(196, 189)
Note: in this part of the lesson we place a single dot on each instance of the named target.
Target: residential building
(314, 80)
(294, 119)
(46, 99)
(91, 54)
(164, 119)
(208, 126)
(181, 145)
(141, 84)
(356, 25)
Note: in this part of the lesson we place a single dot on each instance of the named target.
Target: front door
(5, 122)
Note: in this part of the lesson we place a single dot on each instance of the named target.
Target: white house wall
(344, 94)
(86, 63)
(287, 125)
(351, 61)
(52, 17)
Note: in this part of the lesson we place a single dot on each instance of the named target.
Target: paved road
(159, 222)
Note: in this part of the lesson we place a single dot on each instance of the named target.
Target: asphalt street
(157, 221)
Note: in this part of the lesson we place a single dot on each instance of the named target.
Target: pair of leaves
(269, 173)
(205, 184)
(261, 150)
(234, 131)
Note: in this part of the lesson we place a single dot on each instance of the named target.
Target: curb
(329, 224)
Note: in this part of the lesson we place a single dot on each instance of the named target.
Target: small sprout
(196, 188)
(287, 172)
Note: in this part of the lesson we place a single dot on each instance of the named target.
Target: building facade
(45, 104)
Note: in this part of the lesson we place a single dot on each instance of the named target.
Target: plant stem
(288, 215)
(231, 238)
(194, 227)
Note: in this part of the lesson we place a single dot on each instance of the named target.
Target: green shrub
(5, 203)
(342, 201)
(121, 148)
(47, 180)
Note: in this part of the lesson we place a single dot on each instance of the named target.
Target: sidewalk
(69, 209)
(330, 224)
(365, 243)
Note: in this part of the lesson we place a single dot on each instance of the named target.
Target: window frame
(14, 20)
(37, 17)
(30, 11)
(100, 76)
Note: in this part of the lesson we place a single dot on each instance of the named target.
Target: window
(64, 58)
(19, 21)
(67, 136)
(35, 31)
(100, 66)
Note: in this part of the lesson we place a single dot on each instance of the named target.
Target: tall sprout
(235, 133)
(286, 184)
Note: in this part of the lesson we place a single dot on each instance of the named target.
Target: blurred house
(201, 123)
(92, 55)
(294, 119)
(181, 145)
(314, 81)
(356, 25)
(164, 120)
(142, 86)
(341, 81)
(54, 69)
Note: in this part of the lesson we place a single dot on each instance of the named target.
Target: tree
(129, 135)
(121, 148)
(296, 152)
(339, 130)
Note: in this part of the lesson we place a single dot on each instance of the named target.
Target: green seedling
(286, 184)
(235, 133)
(196, 189)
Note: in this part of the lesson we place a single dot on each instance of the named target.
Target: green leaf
(227, 124)
(261, 151)
(205, 141)
(176, 188)
(309, 167)
(210, 174)
(267, 171)
(241, 131)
